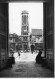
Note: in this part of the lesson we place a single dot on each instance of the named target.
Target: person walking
(18, 49)
(32, 48)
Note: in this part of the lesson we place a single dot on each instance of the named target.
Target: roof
(36, 31)
(24, 12)
(13, 35)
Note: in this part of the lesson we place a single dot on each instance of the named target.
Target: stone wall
(49, 32)
(3, 34)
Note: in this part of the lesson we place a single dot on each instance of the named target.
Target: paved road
(25, 66)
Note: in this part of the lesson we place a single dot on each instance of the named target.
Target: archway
(48, 31)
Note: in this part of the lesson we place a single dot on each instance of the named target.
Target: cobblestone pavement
(25, 66)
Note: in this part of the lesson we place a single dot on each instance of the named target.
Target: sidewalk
(26, 66)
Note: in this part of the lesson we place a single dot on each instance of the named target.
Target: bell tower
(25, 25)
(25, 29)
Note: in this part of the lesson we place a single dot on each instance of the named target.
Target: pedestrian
(11, 52)
(38, 57)
(32, 48)
(18, 49)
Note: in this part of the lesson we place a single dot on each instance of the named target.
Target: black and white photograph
(27, 38)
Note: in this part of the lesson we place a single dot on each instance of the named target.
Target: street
(25, 66)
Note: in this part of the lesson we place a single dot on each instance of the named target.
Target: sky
(35, 16)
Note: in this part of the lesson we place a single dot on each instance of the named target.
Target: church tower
(25, 25)
(25, 29)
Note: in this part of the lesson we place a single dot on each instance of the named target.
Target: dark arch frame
(48, 30)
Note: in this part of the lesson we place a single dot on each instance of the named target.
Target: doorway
(48, 32)
(25, 20)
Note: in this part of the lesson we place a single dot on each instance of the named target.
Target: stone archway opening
(27, 13)
(48, 31)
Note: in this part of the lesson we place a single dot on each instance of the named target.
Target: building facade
(14, 40)
(36, 34)
(37, 38)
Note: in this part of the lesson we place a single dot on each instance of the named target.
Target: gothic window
(25, 19)
(24, 27)
(25, 33)
(25, 38)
